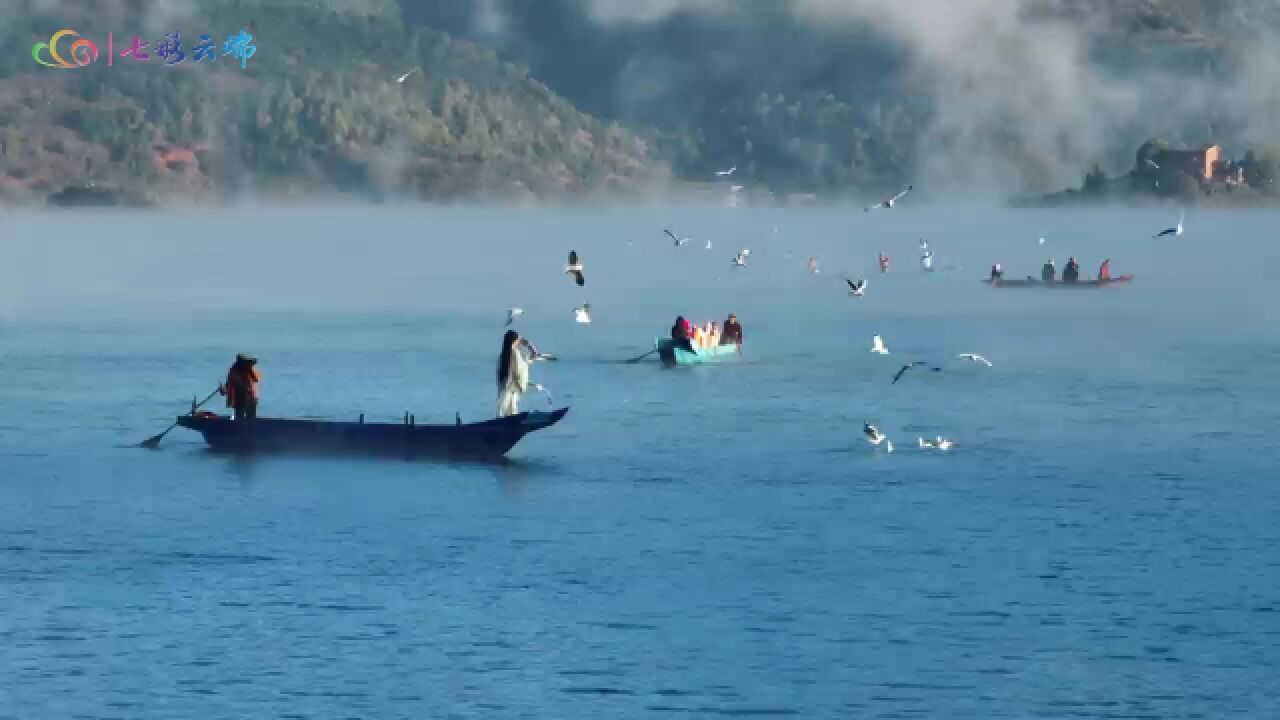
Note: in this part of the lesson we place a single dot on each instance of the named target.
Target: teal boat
(672, 355)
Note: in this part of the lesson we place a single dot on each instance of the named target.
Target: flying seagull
(582, 314)
(574, 268)
(727, 173)
(938, 443)
(975, 358)
(740, 260)
(678, 241)
(1175, 230)
(907, 367)
(877, 346)
(512, 314)
(891, 201)
(405, 76)
(875, 437)
(857, 288)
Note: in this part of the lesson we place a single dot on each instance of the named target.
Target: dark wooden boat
(1031, 282)
(489, 439)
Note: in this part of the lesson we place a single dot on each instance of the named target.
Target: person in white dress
(513, 375)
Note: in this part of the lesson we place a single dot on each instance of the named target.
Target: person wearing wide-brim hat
(241, 387)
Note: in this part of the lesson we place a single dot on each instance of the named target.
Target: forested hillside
(558, 98)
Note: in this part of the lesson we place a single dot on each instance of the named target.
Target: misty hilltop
(559, 98)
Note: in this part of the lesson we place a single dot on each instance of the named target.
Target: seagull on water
(889, 203)
(405, 76)
(582, 314)
(875, 437)
(512, 314)
(857, 288)
(1175, 230)
(740, 260)
(708, 244)
(727, 173)
(938, 443)
(678, 240)
(908, 366)
(574, 268)
(877, 345)
(975, 358)
(1042, 241)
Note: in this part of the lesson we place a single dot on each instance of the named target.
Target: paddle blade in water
(153, 442)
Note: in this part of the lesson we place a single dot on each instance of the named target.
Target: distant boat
(1031, 282)
(93, 196)
(489, 439)
(672, 354)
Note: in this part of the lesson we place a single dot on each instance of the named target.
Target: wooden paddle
(153, 442)
(638, 358)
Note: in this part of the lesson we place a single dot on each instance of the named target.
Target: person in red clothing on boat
(241, 387)
(682, 334)
(1104, 272)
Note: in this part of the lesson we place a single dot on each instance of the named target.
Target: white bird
(740, 260)
(582, 314)
(875, 437)
(889, 203)
(405, 76)
(1041, 241)
(877, 345)
(938, 443)
(678, 240)
(1175, 230)
(574, 268)
(727, 173)
(975, 358)
(708, 244)
(514, 313)
(857, 288)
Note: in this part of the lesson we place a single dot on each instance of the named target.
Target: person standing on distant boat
(884, 263)
(513, 375)
(241, 387)
(732, 332)
(1104, 272)
(1049, 270)
(997, 272)
(1071, 272)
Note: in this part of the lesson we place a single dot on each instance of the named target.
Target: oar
(153, 442)
(638, 358)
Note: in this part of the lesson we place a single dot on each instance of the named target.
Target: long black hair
(504, 360)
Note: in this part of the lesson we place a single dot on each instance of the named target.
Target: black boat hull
(1057, 284)
(488, 439)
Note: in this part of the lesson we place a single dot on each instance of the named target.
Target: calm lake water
(1100, 543)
